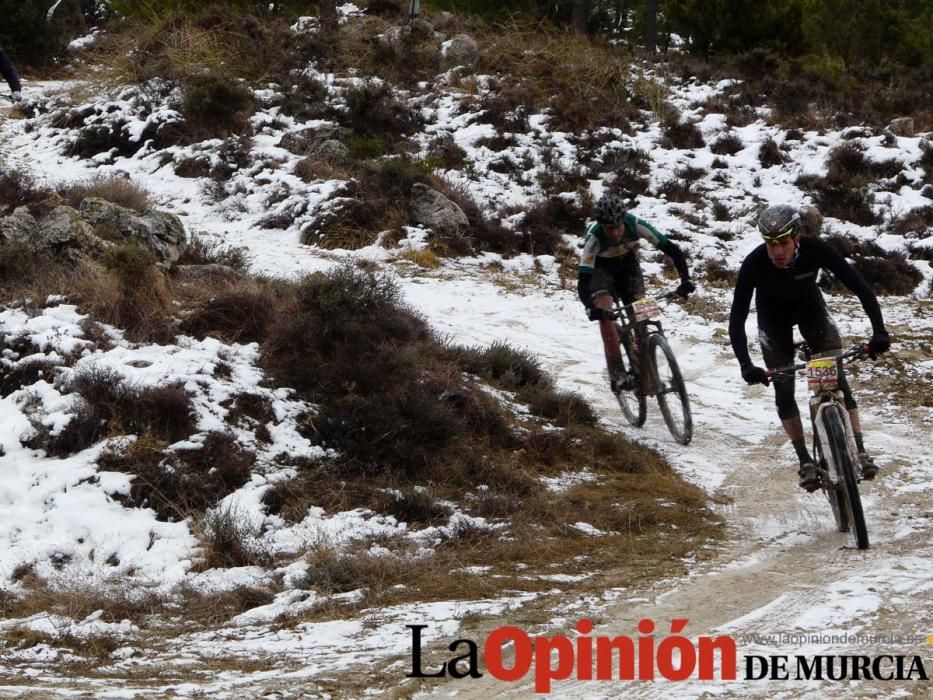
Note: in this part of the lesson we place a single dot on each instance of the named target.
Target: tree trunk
(328, 15)
(581, 10)
(651, 25)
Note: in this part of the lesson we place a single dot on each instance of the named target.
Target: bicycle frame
(822, 398)
(833, 438)
(631, 326)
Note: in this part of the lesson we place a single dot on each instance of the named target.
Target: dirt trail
(782, 569)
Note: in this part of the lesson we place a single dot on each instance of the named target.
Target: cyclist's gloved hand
(685, 289)
(879, 343)
(17, 96)
(596, 314)
(755, 375)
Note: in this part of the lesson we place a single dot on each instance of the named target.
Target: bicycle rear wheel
(836, 435)
(633, 404)
(670, 389)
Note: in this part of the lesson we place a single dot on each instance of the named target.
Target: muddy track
(782, 568)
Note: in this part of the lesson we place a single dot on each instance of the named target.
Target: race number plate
(645, 309)
(822, 375)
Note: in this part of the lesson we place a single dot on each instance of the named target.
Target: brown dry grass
(584, 81)
(118, 190)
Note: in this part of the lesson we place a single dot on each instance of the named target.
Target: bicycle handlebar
(667, 296)
(855, 352)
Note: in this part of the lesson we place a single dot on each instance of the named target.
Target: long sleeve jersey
(781, 294)
(597, 245)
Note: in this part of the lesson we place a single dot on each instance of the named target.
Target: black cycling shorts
(776, 335)
(621, 277)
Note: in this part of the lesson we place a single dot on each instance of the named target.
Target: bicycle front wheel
(631, 400)
(845, 465)
(670, 389)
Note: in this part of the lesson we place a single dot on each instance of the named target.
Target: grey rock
(432, 209)
(18, 225)
(63, 233)
(460, 50)
(160, 231)
(305, 141)
(902, 126)
(332, 151)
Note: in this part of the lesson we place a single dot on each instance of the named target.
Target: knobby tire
(670, 389)
(836, 435)
(631, 401)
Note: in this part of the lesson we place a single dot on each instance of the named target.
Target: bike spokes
(670, 390)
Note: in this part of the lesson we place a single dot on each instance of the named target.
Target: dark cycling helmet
(609, 210)
(778, 222)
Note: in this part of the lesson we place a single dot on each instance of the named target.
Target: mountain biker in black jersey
(783, 273)
(9, 74)
(609, 268)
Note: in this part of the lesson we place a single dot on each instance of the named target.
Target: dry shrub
(631, 168)
(447, 152)
(584, 83)
(130, 292)
(305, 97)
(216, 106)
(915, 224)
(314, 170)
(25, 374)
(509, 367)
(229, 541)
(839, 200)
(376, 201)
(729, 143)
(240, 314)
(412, 506)
(219, 608)
(216, 39)
(373, 110)
(769, 154)
(331, 571)
(19, 263)
(887, 273)
(122, 407)
(890, 275)
(716, 272)
(424, 258)
(18, 188)
(176, 484)
(113, 188)
(677, 190)
(549, 219)
(678, 134)
(202, 251)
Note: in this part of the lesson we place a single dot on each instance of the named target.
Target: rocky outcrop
(306, 141)
(53, 227)
(160, 231)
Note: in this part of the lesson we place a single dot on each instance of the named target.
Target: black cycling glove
(755, 375)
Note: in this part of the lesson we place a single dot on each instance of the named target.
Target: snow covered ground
(782, 568)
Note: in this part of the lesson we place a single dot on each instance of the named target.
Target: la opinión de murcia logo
(585, 658)
(674, 657)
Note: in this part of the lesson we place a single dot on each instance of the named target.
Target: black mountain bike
(649, 368)
(833, 440)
